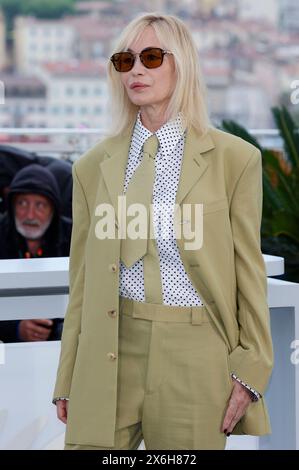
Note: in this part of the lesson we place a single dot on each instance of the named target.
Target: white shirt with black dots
(176, 286)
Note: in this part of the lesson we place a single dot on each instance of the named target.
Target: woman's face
(159, 82)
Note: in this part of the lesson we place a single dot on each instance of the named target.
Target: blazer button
(112, 313)
(111, 356)
(113, 267)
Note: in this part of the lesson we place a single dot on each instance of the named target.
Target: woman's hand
(61, 409)
(239, 400)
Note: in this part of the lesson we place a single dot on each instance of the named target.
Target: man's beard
(32, 229)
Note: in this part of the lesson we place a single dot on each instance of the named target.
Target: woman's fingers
(231, 412)
(62, 406)
(237, 405)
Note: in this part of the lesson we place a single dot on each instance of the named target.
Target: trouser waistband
(166, 313)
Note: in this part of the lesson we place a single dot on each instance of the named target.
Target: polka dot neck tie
(139, 191)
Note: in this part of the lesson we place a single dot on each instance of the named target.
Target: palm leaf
(282, 223)
(288, 132)
(236, 129)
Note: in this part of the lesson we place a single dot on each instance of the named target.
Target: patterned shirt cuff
(58, 398)
(254, 394)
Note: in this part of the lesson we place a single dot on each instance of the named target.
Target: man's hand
(61, 409)
(35, 330)
(239, 400)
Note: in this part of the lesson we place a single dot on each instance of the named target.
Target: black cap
(36, 179)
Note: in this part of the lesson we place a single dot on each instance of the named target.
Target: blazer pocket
(214, 206)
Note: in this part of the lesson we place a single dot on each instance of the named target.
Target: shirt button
(111, 356)
(113, 267)
(112, 313)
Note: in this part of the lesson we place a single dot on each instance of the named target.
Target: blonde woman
(164, 339)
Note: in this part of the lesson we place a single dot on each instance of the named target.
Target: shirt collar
(140, 134)
(175, 126)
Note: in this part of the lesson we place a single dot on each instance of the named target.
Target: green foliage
(280, 223)
(10, 8)
(47, 8)
(39, 8)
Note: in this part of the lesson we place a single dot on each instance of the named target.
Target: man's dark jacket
(56, 241)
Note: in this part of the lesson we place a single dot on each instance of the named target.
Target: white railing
(31, 288)
(63, 130)
(74, 141)
(38, 288)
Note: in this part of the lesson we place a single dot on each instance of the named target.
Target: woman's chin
(139, 101)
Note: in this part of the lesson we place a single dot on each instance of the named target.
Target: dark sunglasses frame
(115, 58)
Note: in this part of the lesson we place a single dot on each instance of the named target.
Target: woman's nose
(138, 65)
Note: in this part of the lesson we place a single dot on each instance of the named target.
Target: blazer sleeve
(72, 320)
(252, 359)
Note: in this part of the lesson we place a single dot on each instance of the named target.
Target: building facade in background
(2, 42)
(248, 49)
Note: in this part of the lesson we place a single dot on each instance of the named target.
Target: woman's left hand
(239, 400)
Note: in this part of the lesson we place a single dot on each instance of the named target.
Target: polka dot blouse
(177, 287)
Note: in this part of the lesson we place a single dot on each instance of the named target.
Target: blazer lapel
(193, 164)
(114, 166)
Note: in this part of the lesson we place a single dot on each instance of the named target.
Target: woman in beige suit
(164, 339)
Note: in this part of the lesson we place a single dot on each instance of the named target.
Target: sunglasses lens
(123, 61)
(152, 58)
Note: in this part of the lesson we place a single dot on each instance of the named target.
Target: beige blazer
(224, 173)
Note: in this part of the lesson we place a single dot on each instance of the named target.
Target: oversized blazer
(224, 173)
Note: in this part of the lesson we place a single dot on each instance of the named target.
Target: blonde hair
(189, 93)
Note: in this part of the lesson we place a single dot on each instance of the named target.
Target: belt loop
(196, 315)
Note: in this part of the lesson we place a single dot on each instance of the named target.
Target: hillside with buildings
(54, 70)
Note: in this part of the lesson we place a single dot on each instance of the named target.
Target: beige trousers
(173, 379)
